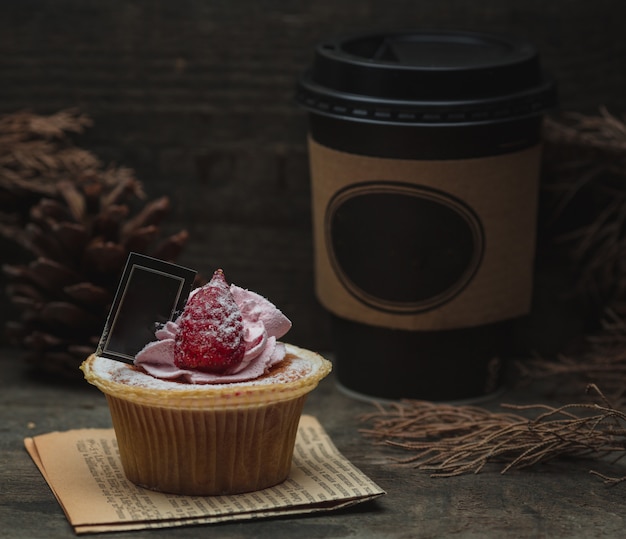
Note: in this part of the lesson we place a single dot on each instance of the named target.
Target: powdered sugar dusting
(292, 368)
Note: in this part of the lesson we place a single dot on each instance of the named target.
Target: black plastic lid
(426, 77)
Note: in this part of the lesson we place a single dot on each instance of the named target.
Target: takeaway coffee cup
(424, 151)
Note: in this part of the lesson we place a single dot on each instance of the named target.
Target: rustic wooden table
(557, 500)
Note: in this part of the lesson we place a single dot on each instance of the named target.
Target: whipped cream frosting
(263, 325)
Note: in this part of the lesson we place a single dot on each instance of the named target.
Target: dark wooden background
(197, 97)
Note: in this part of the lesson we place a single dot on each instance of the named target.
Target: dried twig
(602, 361)
(588, 162)
(448, 440)
(37, 155)
(586, 168)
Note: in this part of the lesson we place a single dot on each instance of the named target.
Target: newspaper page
(83, 469)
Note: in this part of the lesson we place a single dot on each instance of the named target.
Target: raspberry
(210, 336)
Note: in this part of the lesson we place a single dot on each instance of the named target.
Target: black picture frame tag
(150, 292)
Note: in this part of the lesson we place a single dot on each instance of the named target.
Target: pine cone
(65, 294)
(78, 235)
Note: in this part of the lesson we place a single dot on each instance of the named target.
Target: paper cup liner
(195, 452)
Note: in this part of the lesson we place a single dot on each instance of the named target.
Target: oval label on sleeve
(400, 247)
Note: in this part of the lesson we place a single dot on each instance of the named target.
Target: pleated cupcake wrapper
(203, 452)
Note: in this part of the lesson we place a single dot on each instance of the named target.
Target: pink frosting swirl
(263, 324)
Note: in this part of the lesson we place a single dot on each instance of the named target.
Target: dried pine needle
(448, 440)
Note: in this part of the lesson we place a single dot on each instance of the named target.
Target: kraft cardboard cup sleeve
(424, 151)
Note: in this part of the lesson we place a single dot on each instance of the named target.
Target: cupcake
(212, 405)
